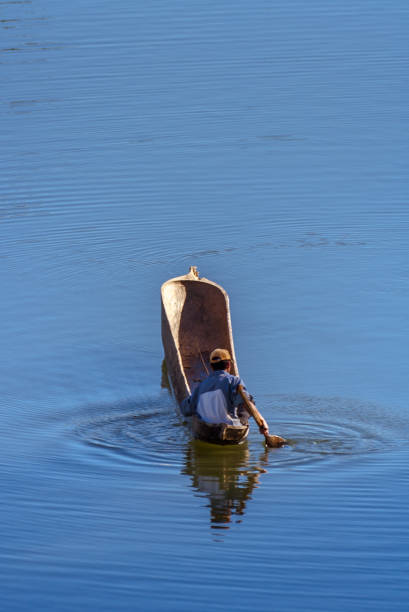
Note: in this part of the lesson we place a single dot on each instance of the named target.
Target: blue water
(265, 143)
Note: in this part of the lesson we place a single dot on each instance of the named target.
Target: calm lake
(265, 143)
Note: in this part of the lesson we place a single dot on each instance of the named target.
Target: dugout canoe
(195, 321)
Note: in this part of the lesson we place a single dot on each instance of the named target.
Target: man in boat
(216, 399)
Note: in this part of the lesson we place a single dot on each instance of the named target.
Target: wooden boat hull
(195, 321)
(220, 433)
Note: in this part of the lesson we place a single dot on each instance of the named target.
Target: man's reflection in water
(226, 476)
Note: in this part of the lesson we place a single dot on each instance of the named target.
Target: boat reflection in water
(226, 476)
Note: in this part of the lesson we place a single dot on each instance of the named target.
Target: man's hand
(263, 426)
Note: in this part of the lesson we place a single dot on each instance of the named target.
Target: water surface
(266, 144)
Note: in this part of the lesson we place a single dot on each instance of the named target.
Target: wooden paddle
(273, 441)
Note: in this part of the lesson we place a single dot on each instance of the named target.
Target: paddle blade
(274, 441)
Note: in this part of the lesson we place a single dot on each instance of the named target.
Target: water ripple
(151, 433)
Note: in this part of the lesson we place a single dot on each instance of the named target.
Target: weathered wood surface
(195, 321)
(218, 434)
